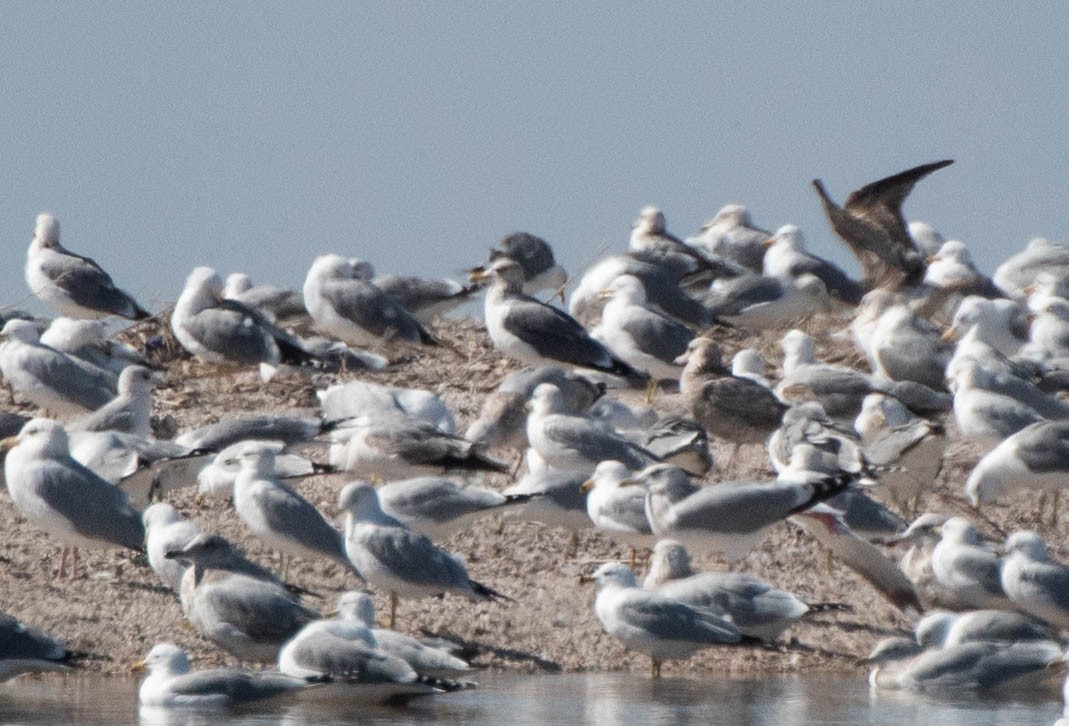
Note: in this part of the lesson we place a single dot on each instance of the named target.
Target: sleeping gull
(166, 530)
(839, 389)
(731, 235)
(27, 650)
(281, 517)
(88, 340)
(1000, 323)
(1036, 457)
(423, 297)
(566, 441)
(215, 480)
(217, 330)
(756, 301)
(130, 412)
(240, 609)
(345, 303)
(967, 572)
(438, 507)
(751, 604)
(171, 683)
(1034, 582)
(230, 431)
(70, 284)
(926, 237)
(681, 441)
(392, 445)
(906, 347)
(987, 412)
(556, 499)
(787, 258)
(64, 498)
(397, 559)
(944, 629)
(535, 333)
(361, 398)
(650, 623)
(535, 257)
(58, 382)
(280, 305)
(640, 335)
(652, 241)
(870, 222)
(1041, 256)
(952, 269)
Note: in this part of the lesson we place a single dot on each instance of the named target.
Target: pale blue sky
(255, 136)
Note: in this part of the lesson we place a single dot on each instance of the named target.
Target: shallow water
(605, 699)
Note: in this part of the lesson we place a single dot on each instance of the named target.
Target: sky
(255, 136)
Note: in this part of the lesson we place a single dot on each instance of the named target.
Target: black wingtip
(488, 592)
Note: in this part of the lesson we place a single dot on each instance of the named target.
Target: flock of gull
(612, 418)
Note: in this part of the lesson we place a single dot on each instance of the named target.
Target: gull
(345, 303)
(58, 382)
(566, 441)
(70, 284)
(64, 498)
(130, 412)
(1022, 666)
(216, 479)
(281, 517)
(1048, 335)
(535, 257)
(663, 290)
(839, 389)
(615, 508)
(502, 420)
(423, 297)
(1041, 256)
(787, 258)
(909, 448)
(967, 572)
(651, 623)
(870, 223)
(397, 559)
(1036, 457)
(88, 340)
(361, 398)
(806, 424)
(751, 604)
(926, 237)
(728, 407)
(943, 629)
(1034, 582)
(680, 441)
(555, 499)
(750, 363)
(731, 235)
(278, 304)
(730, 518)
(27, 650)
(987, 412)
(952, 269)
(230, 431)
(165, 531)
(756, 301)
(356, 606)
(217, 330)
(906, 347)
(641, 336)
(534, 333)
(241, 609)
(392, 445)
(653, 242)
(172, 684)
(1000, 323)
(438, 507)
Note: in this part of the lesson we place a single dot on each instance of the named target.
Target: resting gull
(165, 531)
(242, 610)
(438, 507)
(88, 340)
(58, 382)
(681, 441)
(651, 623)
(787, 258)
(871, 224)
(64, 498)
(731, 235)
(362, 398)
(280, 305)
(555, 499)
(535, 257)
(566, 441)
(1023, 269)
(952, 269)
(397, 559)
(1035, 582)
(70, 284)
(172, 684)
(967, 572)
(535, 333)
(651, 240)
(944, 629)
(424, 298)
(756, 301)
(344, 303)
(130, 412)
(1036, 457)
(615, 508)
(27, 650)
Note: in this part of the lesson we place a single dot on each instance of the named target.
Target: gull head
(606, 474)
(357, 605)
(748, 362)
(504, 270)
(932, 629)
(702, 356)
(359, 499)
(257, 458)
(204, 283)
(959, 530)
(46, 231)
(670, 561)
(206, 550)
(166, 659)
(613, 574)
(546, 399)
(627, 289)
(650, 220)
(236, 283)
(924, 527)
(983, 485)
(136, 381)
(926, 237)
(798, 348)
(40, 438)
(787, 237)
(732, 215)
(24, 331)
(1027, 543)
(160, 514)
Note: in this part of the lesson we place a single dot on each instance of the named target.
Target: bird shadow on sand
(469, 649)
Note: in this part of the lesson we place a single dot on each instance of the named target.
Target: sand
(119, 610)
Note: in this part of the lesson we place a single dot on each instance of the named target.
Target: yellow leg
(393, 609)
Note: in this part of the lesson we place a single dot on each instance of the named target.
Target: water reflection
(605, 699)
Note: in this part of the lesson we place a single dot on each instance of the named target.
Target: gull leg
(74, 566)
(1054, 509)
(62, 563)
(651, 390)
(573, 545)
(655, 667)
(393, 608)
(1042, 505)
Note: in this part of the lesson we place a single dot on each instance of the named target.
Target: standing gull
(345, 303)
(130, 412)
(871, 224)
(615, 508)
(64, 498)
(1036, 457)
(967, 571)
(240, 609)
(397, 559)
(659, 626)
(70, 284)
(535, 333)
